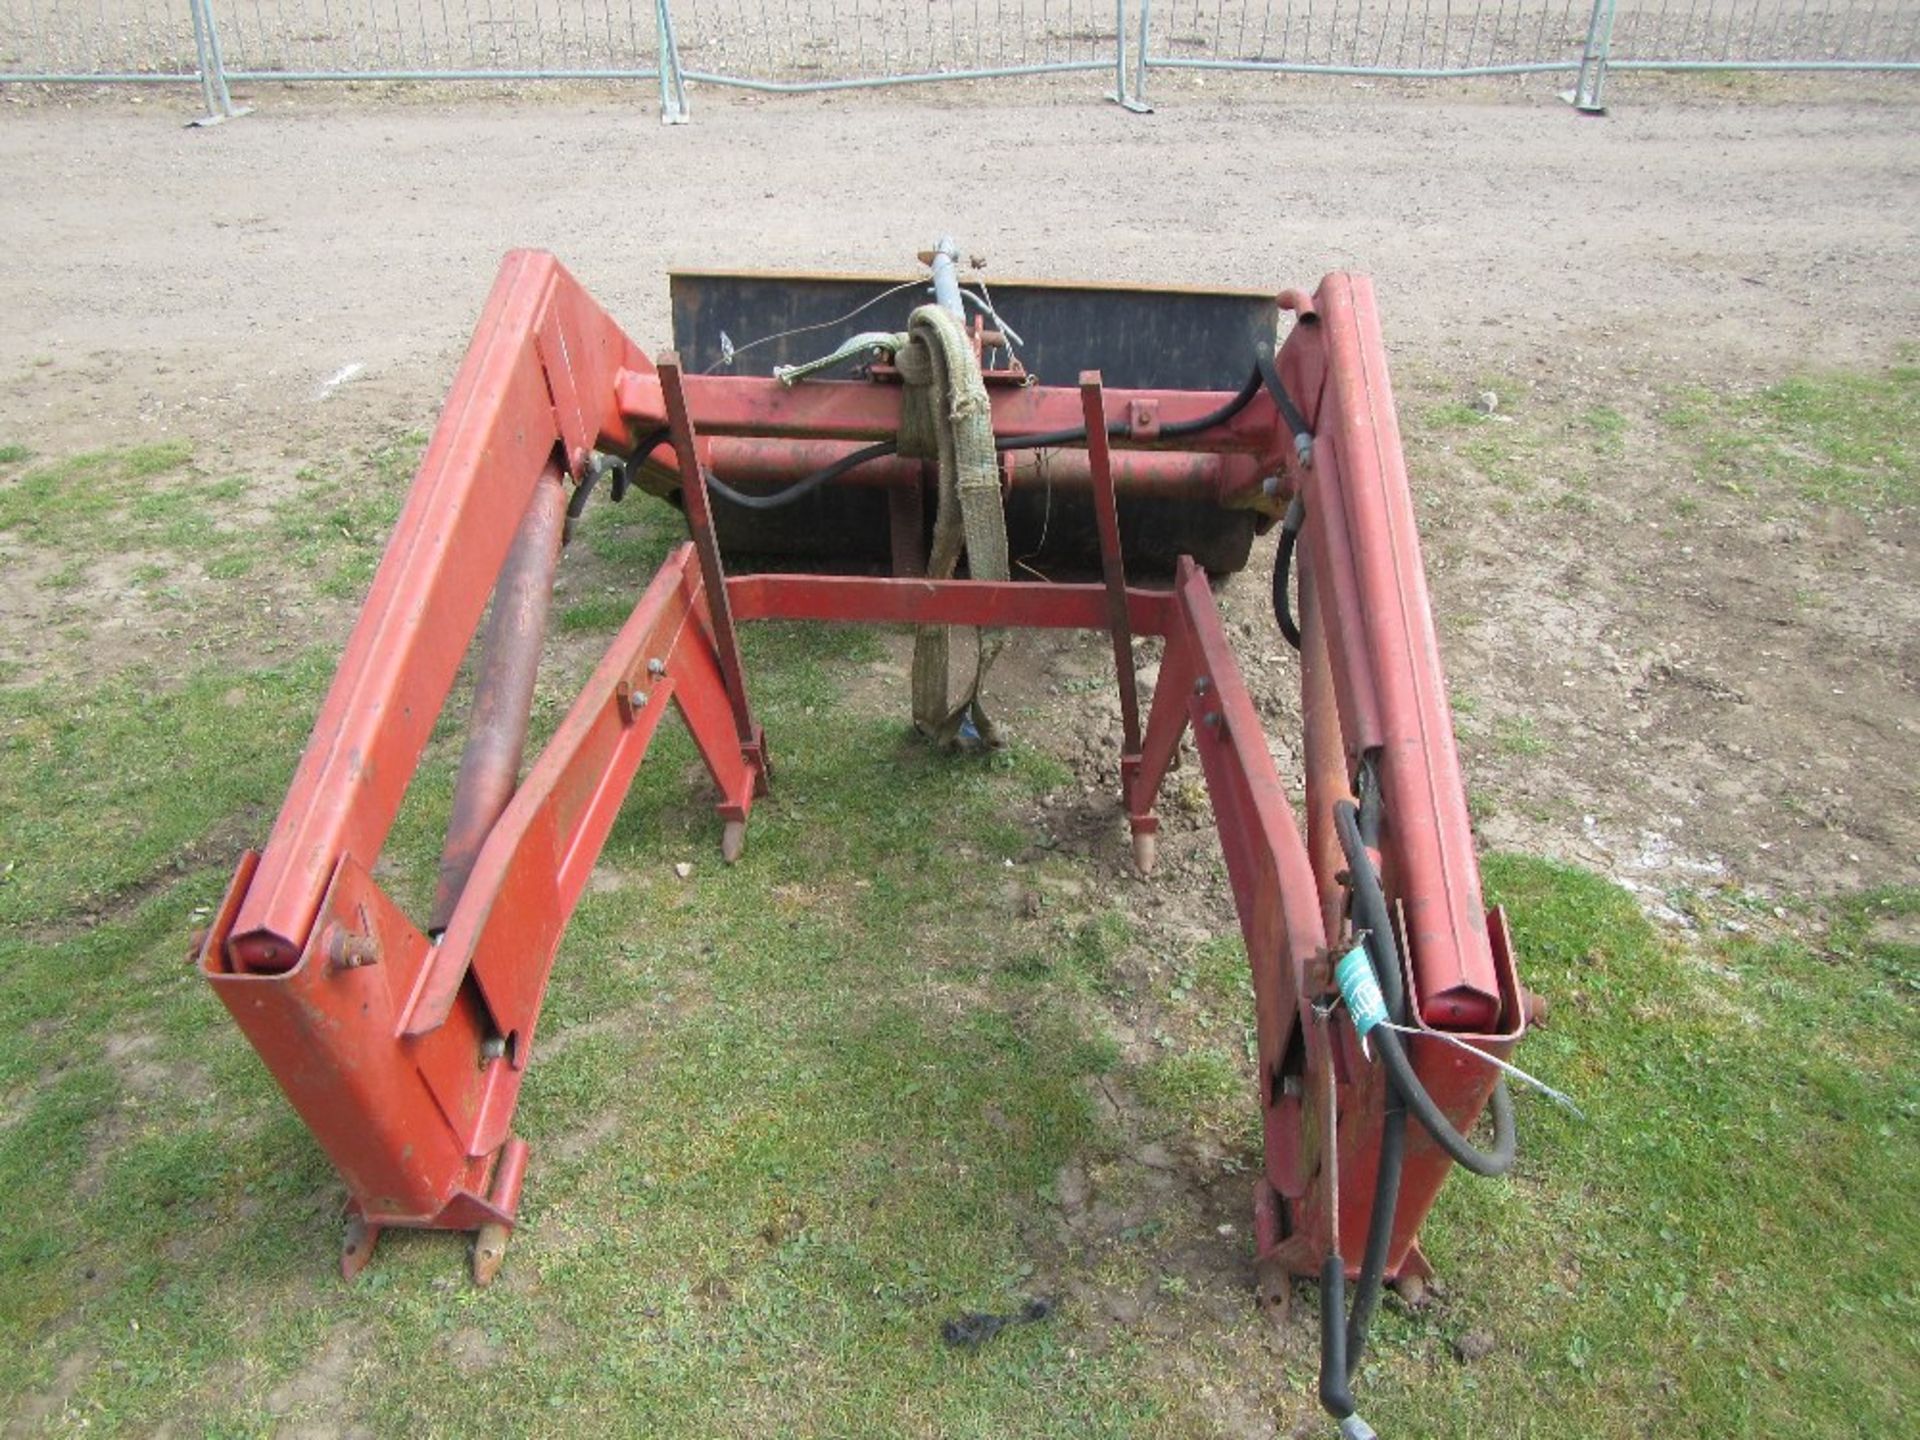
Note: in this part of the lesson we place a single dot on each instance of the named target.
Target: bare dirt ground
(1694, 724)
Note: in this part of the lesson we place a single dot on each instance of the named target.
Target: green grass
(789, 1116)
(1727, 1243)
(1517, 735)
(774, 1155)
(1839, 438)
(1835, 438)
(803, 1109)
(337, 521)
(97, 501)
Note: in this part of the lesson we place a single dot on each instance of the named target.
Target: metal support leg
(1589, 92)
(1119, 94)
(213, 69)
(673, 85)
(693, 490)
(1113, 568)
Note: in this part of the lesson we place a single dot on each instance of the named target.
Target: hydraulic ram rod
(503, 692)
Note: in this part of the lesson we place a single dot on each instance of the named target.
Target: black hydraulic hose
(1336, 1380)
(1047, 439)
(1393, 1128)
(1270, 377)
(1386, 1204)
(1370, 908)
(802, 488)
(1283, 571)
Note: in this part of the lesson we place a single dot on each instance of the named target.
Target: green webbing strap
(857, 348)
(945, 415)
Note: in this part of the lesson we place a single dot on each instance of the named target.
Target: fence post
(1589, 93)
(213, 69)
(673, 85)
(1119, 94)
(1140, 56)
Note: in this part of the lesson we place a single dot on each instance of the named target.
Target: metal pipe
(503, 692)
(946, 279)
(1164, 474)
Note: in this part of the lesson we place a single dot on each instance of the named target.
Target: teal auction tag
(1360, 988)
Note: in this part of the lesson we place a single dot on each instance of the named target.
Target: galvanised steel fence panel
(97, 40)
(1451, 38)
(439, 39)
(1409, 38)
(803, 45)
(1766, 34)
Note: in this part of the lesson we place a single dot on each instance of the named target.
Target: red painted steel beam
(537, 383)
(1274, 889)
(1007, 604)
(866, 410)
(1106, 511)
(1430, 854)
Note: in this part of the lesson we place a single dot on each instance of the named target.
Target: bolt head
(656, 666)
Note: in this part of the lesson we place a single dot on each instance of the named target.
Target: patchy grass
(775, 1154)
(1517, 735)
(337, 522)
(1843, 438)
(789, 1116)
(97, 503)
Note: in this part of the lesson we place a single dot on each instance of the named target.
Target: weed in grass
(1516, 735)
(1607, 427)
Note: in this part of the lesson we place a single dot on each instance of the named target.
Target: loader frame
(403, 1047)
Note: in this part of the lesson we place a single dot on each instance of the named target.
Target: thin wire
(1514, 1070)
(1044, 459)
(823, 325)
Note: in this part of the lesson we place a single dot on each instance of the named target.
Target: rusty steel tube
(503, 691)
(1161, 474)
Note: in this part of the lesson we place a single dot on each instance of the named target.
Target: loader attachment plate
(1145, 338)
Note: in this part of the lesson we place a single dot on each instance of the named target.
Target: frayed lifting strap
(945, 415)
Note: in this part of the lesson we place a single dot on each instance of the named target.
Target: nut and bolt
(494, 1047)
(348, 951)
(656, 666)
